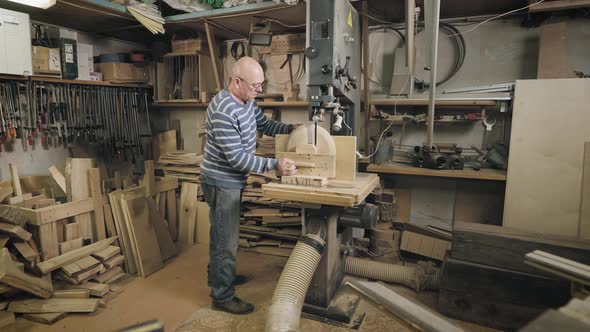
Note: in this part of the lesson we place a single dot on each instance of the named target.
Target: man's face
(251, 86)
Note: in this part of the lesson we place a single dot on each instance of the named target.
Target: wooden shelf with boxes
(64, 81)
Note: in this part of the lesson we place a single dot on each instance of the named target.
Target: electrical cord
(270, 19)
(234, 49)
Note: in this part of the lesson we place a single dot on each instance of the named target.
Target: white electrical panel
(15, 43)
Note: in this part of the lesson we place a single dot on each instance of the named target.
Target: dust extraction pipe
(287, 301)
(417, 277)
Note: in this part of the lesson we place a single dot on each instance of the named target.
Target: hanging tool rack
(63, 114)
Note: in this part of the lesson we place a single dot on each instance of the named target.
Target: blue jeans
(224, 217)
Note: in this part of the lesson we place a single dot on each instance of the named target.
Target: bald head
(247, 78)
(249, 69)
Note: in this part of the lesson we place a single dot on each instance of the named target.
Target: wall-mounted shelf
(77, 82)
(438, 102)
(196, 103)
(405, 169)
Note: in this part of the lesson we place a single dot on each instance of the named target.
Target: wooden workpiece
(77, 188)
(13, 275)
(331, 194)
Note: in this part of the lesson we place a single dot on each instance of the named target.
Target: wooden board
(203, 224)
(123, 233)
(58, 177)
(16, 187)
(264, 212)
(149, 181)
(110, 222)
(16, 216)
(163, 143)
(109, 276)
(550, 205)
(346, 162)
(78, 187)
(72, 231)
(553, 52)
(113, 261)
(47, 318)
(584, 232)
(80, 266)
(68, 246)
(12, 274)
(171, 213)
(95, 289)
(53, 305)
(98, 223)
(6, 318)
(107, 253)
(187, 214)
(328, 195)
(72, 256)
(505, 247)
(305, 180)
(26, 251)
(167, 246)
(71, 294)
(15, 230)
(143, 235)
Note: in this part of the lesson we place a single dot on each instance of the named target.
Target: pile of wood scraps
(184, 166)
(272, 231)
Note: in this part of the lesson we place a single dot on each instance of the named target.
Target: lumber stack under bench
(485, 279)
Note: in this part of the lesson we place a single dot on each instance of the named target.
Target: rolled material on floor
(417, 277)
(410, 312)
(287, 300)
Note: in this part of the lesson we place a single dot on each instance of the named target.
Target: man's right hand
(286, 167)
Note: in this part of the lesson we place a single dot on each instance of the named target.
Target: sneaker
(240, 280)
(234, 306)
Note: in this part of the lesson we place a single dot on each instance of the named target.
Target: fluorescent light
(43, 4)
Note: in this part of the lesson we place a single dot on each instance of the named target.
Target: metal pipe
(435, 8)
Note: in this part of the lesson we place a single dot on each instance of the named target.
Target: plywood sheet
(549, 127)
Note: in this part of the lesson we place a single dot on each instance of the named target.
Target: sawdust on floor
(178, 296)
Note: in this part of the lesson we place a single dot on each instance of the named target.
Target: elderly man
(231, 123)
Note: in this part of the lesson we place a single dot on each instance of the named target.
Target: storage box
(120, 72)
(46, 61)
(188, 45)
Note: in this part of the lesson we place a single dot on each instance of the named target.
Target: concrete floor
(178, 296)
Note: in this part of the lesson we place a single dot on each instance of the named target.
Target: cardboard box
(120, 72)
(46, 60)
(424, 245)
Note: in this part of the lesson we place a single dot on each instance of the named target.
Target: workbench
(406, 169)
(335, 193)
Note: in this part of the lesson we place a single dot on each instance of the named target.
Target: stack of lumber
(253, 191)
(272, 231)
(485, 279)
(182, 165)
(265, 146)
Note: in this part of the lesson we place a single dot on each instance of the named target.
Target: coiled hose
(287, 301)
(418, 277)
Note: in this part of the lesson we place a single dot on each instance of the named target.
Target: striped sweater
(231, 141)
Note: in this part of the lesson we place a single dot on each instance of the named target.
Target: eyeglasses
(254, 86)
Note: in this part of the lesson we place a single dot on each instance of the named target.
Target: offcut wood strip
(584, 232)
(82, 276)
(95, 289)
(59, 178)
(48, 239)
(72, 256)
(78, 187)
(187, 214)
(80, 265)
(203, 224)
(110, 276)
(6, 318)
(16, 200)
(47, 318)
(16, 216)
(53, 305)
(149, 180)
(71, 231)
(113, 261)
(270, 213)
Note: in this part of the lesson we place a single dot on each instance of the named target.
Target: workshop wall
(36, 159)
